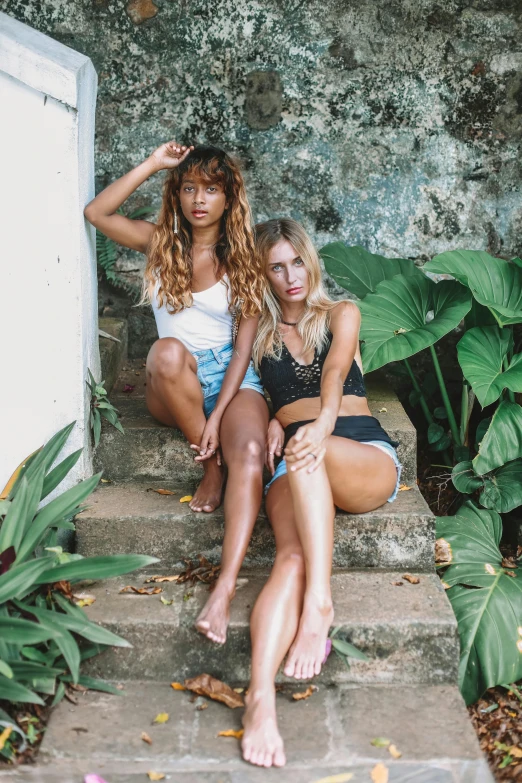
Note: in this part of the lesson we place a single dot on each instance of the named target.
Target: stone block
(263, 100)
(112, 354)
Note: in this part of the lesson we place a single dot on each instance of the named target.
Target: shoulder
(344, 315)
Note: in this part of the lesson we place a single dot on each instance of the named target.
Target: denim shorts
(212, 365)
(281, 469)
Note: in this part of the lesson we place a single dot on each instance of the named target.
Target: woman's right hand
(275, 438)
(170, 155)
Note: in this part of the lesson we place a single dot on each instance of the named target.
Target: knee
(166, 358)
(249, 454)
(292, 560)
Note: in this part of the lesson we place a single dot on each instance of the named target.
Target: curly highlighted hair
(169, 260)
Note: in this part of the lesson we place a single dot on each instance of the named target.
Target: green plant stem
(464, 411)
(424, 405)
(422, 399)
(445, 398)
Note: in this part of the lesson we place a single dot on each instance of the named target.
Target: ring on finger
(313, 455)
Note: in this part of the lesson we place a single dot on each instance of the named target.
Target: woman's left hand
(307, 447)
(209, 443)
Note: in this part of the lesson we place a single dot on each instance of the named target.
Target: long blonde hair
(314, 323)
(169, 259)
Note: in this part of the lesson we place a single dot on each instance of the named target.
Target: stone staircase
(407, 691)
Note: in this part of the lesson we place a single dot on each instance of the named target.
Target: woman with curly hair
(335, 454)
(204, 283)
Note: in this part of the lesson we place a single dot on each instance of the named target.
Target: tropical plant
(107, 256)
(44, 635)
(101, 406)
(486, 594)
(404, 312)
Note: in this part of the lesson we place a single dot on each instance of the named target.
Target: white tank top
(206, 324)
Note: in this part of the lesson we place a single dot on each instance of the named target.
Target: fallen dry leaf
(205, 685)
(514, 751)
(165, 601)
(177, 686)
(201, 571)
(304, 694)
(161, 717)
(161, 491)
(231, 733)
(414, 580)
(185, 499)
(64, 587)
(83, 599)
(141, 590)
(398, 583)
(344, 777)
(160, 578)
(106, 481)
(202, 706)
(383, 410)
(239, 690)
(396, 754)
(380, 742)
(380, 774)
(145, 737)
(155, 775)
(404, 488)
(4, 736)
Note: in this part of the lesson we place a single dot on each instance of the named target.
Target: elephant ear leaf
(501, 490)
(502, 441)
(482, 353)
(406, 315)
(494, 282)
(486, 599)
(359, 271)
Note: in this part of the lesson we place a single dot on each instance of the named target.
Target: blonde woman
(202, 271)
(335, 454)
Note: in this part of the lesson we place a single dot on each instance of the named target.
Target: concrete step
(112, 354)
(328, 734)
(409, 631)
(125, 518)
(149, 450)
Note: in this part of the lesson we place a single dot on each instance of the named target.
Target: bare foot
(215, 615)
(261, 743)
(307, 653)
(208, 495)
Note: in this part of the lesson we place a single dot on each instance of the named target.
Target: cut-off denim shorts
(281, 469)
(212, 365)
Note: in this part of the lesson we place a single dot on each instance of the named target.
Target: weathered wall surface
(395, 124)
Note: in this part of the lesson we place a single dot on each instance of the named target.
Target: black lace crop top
(286, 380)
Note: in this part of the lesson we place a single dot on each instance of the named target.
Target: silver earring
(175, 222)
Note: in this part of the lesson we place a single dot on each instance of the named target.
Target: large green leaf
(501, 489)
(20, 577)
(22, 510)
(44, 456)
(487, 599)
(503, 439)
(359, 271)
(76, 620)
(14, 691)
(481, 353)
(95, 685)
(57, 475)
(495, 283)
(488, 618)
(18, 631)
(54, 511)
(28, 670)
(101, 567)
(408, 314)
(62, 637)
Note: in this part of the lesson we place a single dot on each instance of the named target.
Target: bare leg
(273, 625)
(174, 397)
(314, 517)
(242, 435)
(360, 478)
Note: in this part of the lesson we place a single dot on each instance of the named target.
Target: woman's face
(287, 274)
(202, 202)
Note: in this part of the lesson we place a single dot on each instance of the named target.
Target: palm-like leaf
(495, 283)
(408, 314)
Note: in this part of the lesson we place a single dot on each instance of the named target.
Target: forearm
(114, 195)
(231, 382)
(331, 398)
